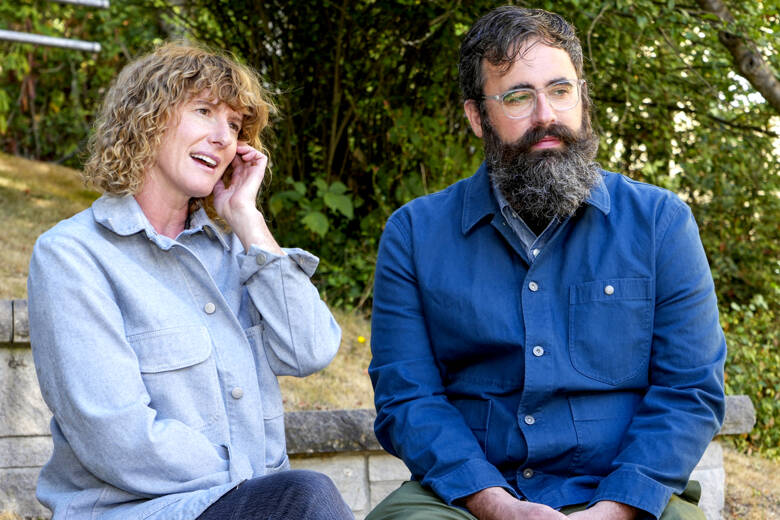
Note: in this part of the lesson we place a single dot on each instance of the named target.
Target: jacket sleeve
(415, 421)
(90, 378)
(684, 405)
(302, 335)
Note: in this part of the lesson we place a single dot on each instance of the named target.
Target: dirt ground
(752, 487)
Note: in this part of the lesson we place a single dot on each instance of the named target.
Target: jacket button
(609, 290)
(529, 419)
(528, 473)
(209, 308)
(538, 351)
(237, 392)
(533, 286)
(260, 259)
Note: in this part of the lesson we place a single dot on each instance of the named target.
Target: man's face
(537, 67)
(542, 164)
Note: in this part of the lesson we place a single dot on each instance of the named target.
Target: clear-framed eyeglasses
(520, 103)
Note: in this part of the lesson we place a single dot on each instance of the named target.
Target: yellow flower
(361, 339)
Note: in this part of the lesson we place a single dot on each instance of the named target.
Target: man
(545, 333)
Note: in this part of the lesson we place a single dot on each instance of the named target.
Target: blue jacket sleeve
(684, 405)
(415, 421)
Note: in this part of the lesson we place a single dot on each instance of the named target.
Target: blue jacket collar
(479, 201)
(123, 216)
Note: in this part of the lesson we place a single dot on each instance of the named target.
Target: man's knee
(412, 501)
(679, 509)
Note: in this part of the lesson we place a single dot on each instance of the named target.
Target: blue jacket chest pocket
(180, 374)
(610, 328)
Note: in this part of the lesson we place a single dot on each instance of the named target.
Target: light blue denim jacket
(158, 358)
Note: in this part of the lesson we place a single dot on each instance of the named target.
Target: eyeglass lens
(560, 96)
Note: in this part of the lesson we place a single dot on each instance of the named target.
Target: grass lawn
(34, 196)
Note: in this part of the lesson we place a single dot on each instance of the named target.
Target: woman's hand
(237, 202)
(239, 198)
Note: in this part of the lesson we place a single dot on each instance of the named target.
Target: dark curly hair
(504, 35)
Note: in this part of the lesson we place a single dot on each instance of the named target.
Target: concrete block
(17, 493)
(22, 410)
(712, 458)
(6, 321)
(24, 452)
(740, 415)
(311, 432)
(713, 482)
(21, 322)
(348, 472)
(383, 467)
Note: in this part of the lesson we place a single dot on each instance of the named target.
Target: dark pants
(293, 495)
(413, 502)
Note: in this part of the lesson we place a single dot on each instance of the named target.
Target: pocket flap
(615, 289)
(171, 349)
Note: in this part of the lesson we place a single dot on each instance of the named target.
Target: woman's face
(198, 145)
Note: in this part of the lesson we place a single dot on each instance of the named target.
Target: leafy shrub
(753, 368)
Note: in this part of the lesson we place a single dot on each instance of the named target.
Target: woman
(157, 334)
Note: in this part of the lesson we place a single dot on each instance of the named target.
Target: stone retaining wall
(338, 443)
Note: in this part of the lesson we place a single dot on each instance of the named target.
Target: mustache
(537, 133)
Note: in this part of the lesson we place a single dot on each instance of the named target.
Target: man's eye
(561, 91)
(518, 98)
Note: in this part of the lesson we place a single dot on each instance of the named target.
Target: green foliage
(753, 368)
(48, 95)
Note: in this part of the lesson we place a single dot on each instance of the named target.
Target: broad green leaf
(338, 188)
(340, 203)
(316, 222)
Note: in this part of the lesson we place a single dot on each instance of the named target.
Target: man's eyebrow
(528, 85)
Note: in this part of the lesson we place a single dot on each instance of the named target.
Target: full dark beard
(545, 184)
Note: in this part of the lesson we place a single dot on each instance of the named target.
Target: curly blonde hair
(146, 94)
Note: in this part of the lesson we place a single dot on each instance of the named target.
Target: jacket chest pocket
(610, 328)
(180, 374)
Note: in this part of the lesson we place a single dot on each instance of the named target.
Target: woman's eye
(202, 110)
(235, 127)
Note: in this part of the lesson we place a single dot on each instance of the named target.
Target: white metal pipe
(103, 4)
(39, 39)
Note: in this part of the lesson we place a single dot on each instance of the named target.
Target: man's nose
(543, 113)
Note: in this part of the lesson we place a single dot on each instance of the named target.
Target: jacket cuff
(257, 258)
(632, 488)
(468, 478)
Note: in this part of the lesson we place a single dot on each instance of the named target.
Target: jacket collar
(479, 201)
(123, 216)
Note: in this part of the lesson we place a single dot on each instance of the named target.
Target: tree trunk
(747, 59)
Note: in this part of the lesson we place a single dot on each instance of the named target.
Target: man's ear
(475, 119)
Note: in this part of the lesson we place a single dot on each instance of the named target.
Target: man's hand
(606, 510)
(496, 503)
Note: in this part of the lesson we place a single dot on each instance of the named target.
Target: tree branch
(687, 110)
(747, 59)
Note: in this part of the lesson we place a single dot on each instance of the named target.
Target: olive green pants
(411, 501)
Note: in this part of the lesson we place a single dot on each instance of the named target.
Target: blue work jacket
(595, 373)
